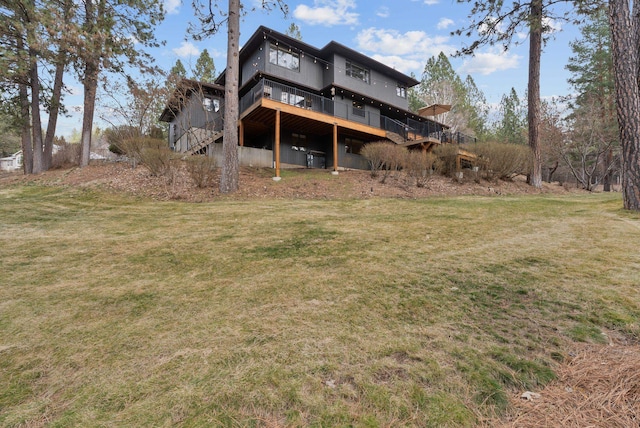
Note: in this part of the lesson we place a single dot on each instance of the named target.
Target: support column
(277, 147)
(335, 149)
(241, 139)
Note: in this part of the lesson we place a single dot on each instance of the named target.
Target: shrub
(115, 136)
(447, 155)
(133, 148)
(67, 154)
(202, 170)
(157, 159)
(374, 154)
(502, 160)
(383, 156)
(419, 166)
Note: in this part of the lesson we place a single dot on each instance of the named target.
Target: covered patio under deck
(324, 134)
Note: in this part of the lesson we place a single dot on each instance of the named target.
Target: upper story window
(211, 104)
(357, 72)
(284, 57)
(401, 91)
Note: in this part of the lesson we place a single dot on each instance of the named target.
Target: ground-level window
(353, 145)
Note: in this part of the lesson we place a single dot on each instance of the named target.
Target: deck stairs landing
(418, 140)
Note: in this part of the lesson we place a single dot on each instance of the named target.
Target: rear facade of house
(301, 106)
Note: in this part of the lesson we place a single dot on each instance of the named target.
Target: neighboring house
(302, 106)
(11, 163)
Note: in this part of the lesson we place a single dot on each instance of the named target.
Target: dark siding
(380, 87)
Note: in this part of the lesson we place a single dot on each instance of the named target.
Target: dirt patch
(258, 183)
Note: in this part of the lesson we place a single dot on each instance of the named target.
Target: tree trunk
(53, 112)
(625, 64)
(230, 165)
(90, 88)
(534, 106)
(90, 78)
(606, 183)
(61, 63)
(36, 124)
(25, 118)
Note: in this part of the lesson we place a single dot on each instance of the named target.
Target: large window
(357, 72)
(284, 57)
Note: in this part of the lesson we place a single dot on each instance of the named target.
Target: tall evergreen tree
(513, 124)
(475, 108)
(625, 42)
(497, 22)
(591, 67)
(178, 69)
(111, 33)
(205, 70)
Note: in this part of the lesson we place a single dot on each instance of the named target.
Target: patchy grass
(379, 312)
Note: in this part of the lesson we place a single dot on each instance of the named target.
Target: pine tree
(205, 70)
(294, 31)
(209, 23)
(178, 69)
(513, 124)
(112, 31)
(625, 38)
(497, 22)
(591, 67)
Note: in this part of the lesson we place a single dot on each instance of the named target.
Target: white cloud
(327, 12)
(444, 23)
(383, 12)
(552, 25)
(403, 64)
(405, 52)
(172, 7)
(431, 2)
(489, 62)
(186, 50)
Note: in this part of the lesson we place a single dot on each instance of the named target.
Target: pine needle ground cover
(117, 311)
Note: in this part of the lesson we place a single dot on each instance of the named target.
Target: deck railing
(409, 130)
(307, 100)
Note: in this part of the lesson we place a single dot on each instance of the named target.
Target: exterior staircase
(204, 143)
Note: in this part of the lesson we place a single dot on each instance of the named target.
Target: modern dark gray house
(302, 106)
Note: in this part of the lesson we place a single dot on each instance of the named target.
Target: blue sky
(400, 33)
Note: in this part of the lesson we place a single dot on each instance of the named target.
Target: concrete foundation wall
(248, 156)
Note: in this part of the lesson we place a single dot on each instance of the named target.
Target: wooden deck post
(335, 149)
(277, 148)
(241, 139)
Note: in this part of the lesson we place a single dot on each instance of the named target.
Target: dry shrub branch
(502, 160)
(202, 170)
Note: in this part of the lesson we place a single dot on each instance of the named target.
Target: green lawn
(116, 311)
